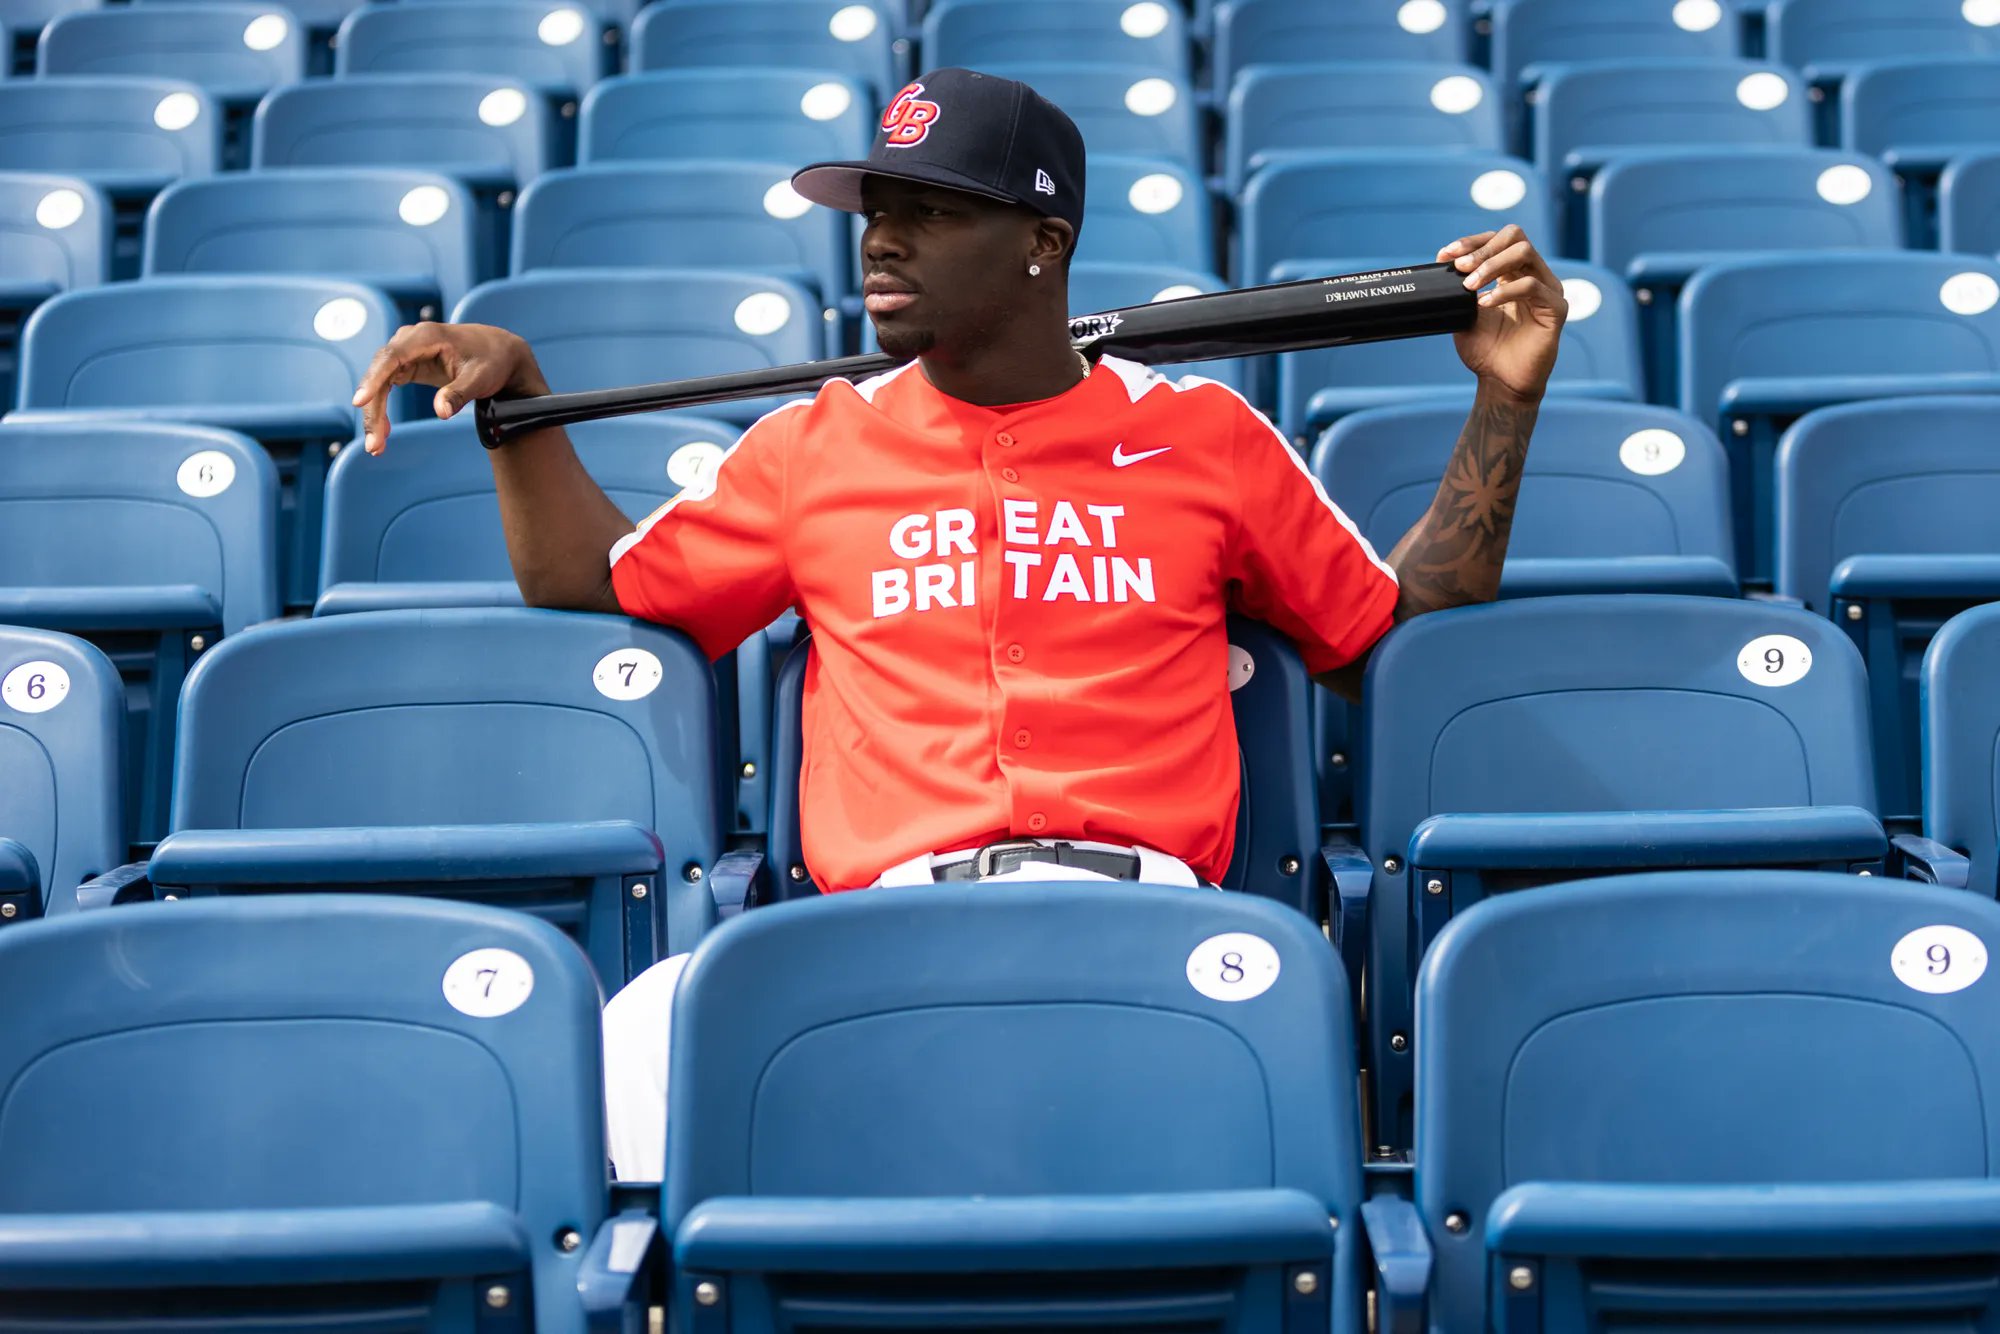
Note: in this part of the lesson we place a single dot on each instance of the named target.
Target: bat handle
(486, 423)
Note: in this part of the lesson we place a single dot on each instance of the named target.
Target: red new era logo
(909, 118)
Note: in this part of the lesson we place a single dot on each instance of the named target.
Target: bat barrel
(1253, 321)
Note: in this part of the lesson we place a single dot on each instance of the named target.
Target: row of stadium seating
(1733, 1099)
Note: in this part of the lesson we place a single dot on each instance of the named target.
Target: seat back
(111, 131)
(1961, 731)
(1146, 211)
(1700, 206)
(1124, 110)
(426, 511)
(766, 115)
(457, 124)
(1600, 353)
(1545, 33)
(62, 722)
(832, 37)
(1827, 38)
(396, 229)
(1148, 34)
(1366, 203)
(164, 505)
(1824, 316)
(597, 328)
(1051, 1067)
(1275, 110)
(232, 340)
(1924, 104)
(1969, 204)
(558, 49)
(324, 1056)
(1587, 111)
(685, 215)
(1276, 32)
(1605, 483)
(1744, 1028)
(235, 50)
(55, 234)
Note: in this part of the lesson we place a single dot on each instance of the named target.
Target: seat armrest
(355, 596)
(1956, 1217)
(1968, 577)
(388, 855)
(1794, 395)
(19, 873)
(1914, 857)
(138, 607)
(260, 421)
(1402, 1254)
(615, 1282)
(1699, 576)
(1352, 874)
(1002, 1234)
(1630, 840)
(245, 1247)
(732, 883)
(124, 884)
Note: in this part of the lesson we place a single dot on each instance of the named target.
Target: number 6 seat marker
(35, 687)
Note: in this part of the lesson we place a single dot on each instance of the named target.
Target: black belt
(1008, 855)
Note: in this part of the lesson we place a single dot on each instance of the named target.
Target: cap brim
(838, 184)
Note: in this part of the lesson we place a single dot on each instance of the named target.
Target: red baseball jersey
(1017, 612)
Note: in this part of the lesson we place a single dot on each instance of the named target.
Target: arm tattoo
(1453, 556)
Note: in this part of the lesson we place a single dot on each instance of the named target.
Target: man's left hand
(1512, 343)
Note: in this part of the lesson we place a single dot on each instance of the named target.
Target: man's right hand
(465, 361)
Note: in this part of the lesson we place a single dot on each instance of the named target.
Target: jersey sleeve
(1297, 562)
(711, 561)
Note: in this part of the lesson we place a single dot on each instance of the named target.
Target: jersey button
(1015, 653)
(1010, 475)
(1022, 738)
(1004, 440)
(1038, 822)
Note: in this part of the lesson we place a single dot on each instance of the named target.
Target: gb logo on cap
(908, 118)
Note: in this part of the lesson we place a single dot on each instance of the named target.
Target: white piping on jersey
(868, 387)
(1140, 380)
(699, 490)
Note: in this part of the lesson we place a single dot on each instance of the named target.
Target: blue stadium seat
(1961, 736)
(1284, 32)
(129, 137)
(596, 328)
(183, 549)
(21, 23)
(1764, 341)
(1590, 114)
(1406, 205)
(321, 18)
(1969, 205)
(561, 764)
(1129, 110)
(1011, 1120)
(1732, 1100)
(62, 721)
(1889, 522)
(834, 38)
(1532, 39)
(1916, 115)
(766, 115)
(1277, 828)
(741, 215)
(1658, 217)
(1600, 353)
(411, 234)
(1100, 286)
(352, 1149)
(276, 358)
(1277, 111)
(55, 235)
(420, 526)
(1542, 739)
(493, 135)
(1616, 497)
(556, 47)
(1826, 40)
(1145, 34)
(236, 50)
(1145, 211)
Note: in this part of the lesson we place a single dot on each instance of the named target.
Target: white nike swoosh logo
(1120, 459)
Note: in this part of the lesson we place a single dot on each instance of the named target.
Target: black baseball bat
(1251, 321)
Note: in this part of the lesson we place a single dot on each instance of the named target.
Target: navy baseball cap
(967, 131)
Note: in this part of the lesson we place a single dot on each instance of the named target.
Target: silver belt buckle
(982, 863)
